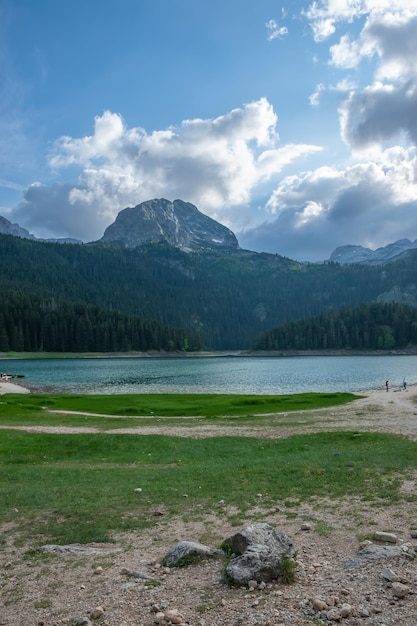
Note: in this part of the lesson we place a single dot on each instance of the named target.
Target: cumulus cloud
(383, 110)
(365, 204)
(214, 163)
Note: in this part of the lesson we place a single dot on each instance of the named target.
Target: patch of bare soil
(130, 588)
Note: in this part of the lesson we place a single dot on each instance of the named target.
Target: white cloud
(366, 204)
(275, 31)
(214, 163)
(346, 54)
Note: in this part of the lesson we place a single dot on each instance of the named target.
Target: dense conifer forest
(375, 326)
(29, 323)
(219, 299)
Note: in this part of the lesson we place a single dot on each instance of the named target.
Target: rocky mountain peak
(178, 223)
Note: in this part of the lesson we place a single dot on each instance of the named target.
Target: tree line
(224, 297)
(372, 326)
(30, 323)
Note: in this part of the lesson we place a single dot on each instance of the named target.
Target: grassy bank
(81, 488)
(35, 409)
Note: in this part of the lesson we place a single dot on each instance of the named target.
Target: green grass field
(81, 487)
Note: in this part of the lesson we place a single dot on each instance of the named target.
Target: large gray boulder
(260, 552)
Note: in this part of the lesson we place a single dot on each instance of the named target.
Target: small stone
(84, 621)
(363, 612)
(138, 490)
(99, 570)
(319, 604)
(252, 584)
(364, 544)
(399, 590)
(413, 534)
(305, 526)
(333, 615)
(97, 612)
(174, 616)
(345, 610)
(389, 575)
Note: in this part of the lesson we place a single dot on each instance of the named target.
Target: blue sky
(294, 124)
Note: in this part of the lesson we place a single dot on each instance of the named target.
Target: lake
(242, 375)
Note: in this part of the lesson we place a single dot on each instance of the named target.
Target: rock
(260, 551)
(388, 574)
(99, 570)
(345, 610)
(413, 534)
(78, 549)
(186, 552)
(388, 537)
(363, 611)
(174, 616)
(374, 553)
(399, 590)
(305, 526)
(97, 612)
(319, 604)
(333, 615)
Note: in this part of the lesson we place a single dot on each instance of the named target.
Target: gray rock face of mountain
(358, 254)
(178, 223)
(7, 228)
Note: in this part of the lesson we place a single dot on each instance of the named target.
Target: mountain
(178, 223)
(7, 228)
(380, 256)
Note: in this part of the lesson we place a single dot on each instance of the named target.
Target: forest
(216, 299)
(29, 323)
(372, 326)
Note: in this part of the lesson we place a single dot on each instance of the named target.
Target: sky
(294, 125)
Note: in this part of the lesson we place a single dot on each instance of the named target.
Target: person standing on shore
(387, 385)
(404, 384)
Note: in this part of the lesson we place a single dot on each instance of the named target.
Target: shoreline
(154, 354)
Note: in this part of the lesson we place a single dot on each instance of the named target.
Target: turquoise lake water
(253, 375)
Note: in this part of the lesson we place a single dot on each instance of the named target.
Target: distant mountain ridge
(7, 228)
(178, 223)
(358, 254)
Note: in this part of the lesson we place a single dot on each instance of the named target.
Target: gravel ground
(56, 589)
